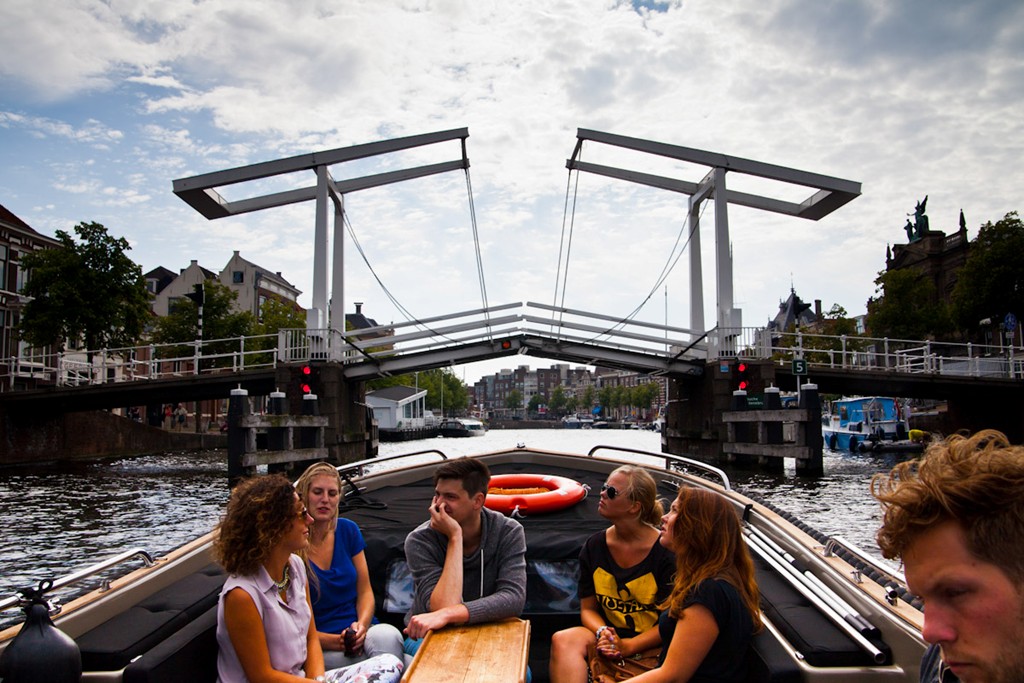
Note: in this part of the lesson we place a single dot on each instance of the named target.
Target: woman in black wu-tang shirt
(624, 574)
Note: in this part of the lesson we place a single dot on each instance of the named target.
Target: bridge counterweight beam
(727, 315)
(315, 316)
(337, 317)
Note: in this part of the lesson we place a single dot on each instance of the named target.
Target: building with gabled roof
(254, 284)
(17, 238)
(158, 278)
(182, 285)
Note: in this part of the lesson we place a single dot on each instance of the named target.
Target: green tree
(88, 290)
(906, 307)
(535, 403)
(279, 315)
(991, 283)
(606, 399)
(514, 400)
(220, 321)
(275, 315)
(587, 401)
(557, 402)
(571, 403)
(445, 392)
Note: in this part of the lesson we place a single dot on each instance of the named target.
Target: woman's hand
(332, 641)
(356, 641)
(626, 647)
(608, 643)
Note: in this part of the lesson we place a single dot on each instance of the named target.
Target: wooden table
(482, 653)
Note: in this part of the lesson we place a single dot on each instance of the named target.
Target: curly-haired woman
(265, 628)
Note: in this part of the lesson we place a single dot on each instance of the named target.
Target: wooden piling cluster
(759, 433)
(285, 447)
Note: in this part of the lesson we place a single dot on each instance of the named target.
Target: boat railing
(679, 461)
(839, 542)
(92, 570)
(356, 469)
(845, 617)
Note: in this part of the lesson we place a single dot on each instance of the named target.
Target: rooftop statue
(919, 228)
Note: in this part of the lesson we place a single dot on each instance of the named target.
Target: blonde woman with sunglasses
(624, 574)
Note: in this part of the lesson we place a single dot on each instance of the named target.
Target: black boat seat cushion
(794, 616)
(189, 655)
(114, 643)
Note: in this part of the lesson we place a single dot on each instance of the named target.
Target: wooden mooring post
(759, 433)
(243, 456)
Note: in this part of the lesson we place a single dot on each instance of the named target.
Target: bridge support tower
(349, 435)
(695, 428)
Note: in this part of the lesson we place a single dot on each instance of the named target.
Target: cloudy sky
(104, 104)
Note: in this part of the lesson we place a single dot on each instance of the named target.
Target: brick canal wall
(28, 438)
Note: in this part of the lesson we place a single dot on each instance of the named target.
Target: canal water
(56, 519)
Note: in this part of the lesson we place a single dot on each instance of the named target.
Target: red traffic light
(743, 382)
(506, 344)
(307, 373)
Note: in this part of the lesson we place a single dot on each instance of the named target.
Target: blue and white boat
(865, 423)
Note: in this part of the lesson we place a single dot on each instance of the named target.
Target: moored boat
(825, 619)
(866, 423)
(462, 426)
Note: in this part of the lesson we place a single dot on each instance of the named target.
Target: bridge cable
(479, 259)
(402, 309)
(566, 243)
(670, 263)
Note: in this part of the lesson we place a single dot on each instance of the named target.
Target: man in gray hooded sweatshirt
(468, 562)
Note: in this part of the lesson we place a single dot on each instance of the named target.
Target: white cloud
(908, 98)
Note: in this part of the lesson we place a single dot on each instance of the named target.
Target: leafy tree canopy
(220, 321)
(991, 282)
(444, 390)
(278, 315)
(558, 402)
(514, 400)
(906, 307)
(88, 290)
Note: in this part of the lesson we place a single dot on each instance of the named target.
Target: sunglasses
(304, 513)
(610, 490)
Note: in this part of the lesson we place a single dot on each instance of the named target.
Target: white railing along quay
(870, 353)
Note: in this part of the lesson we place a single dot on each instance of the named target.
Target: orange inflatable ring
(524, 494)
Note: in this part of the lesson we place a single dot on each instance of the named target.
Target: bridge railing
(869, 353)
(152, 361)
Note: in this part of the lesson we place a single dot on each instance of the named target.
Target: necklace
(282, 585)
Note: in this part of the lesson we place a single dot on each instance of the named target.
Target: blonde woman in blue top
(343, 600)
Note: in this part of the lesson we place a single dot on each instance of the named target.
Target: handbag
(606, 670)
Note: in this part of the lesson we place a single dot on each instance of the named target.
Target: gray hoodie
(500, 593)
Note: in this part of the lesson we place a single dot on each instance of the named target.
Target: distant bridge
(982, 385)
(849, 364)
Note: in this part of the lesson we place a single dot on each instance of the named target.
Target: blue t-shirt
(334, 599)
(726, 660)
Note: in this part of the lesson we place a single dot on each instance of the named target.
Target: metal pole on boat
(852, 616)
(801, 586)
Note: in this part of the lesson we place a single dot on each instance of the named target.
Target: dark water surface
(56, 519)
